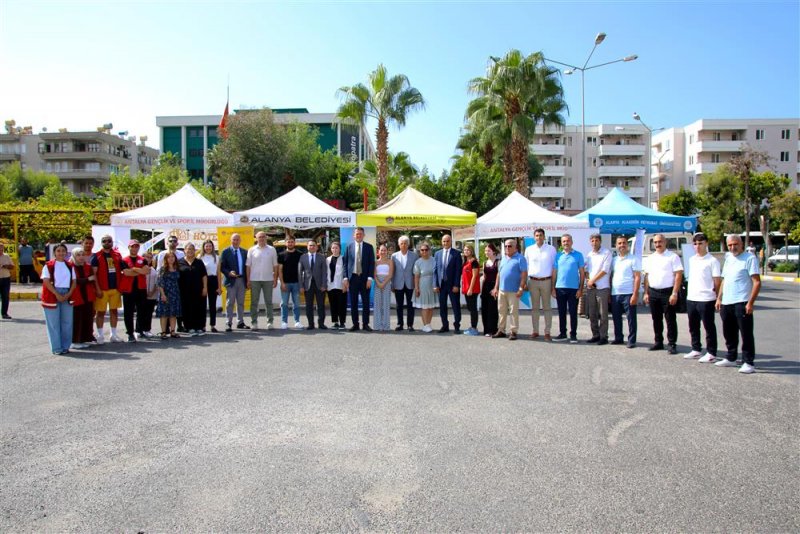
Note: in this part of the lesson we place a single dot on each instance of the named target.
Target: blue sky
(80, 64)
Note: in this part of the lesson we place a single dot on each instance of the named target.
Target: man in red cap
(133, 286)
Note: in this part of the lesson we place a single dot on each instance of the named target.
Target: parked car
(781, 256)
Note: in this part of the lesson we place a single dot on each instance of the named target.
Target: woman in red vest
(82, 301)
(58, 283)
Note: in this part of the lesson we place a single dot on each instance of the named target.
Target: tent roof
(185, 208)
(618, 212)
(412, 209)
(518, 216)
(296, 209)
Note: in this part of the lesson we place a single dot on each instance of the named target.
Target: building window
(669, 144)
(717, 136)
(591, 182)
(569, 203)
(93, 147)
(691, 139)
(196, 152)
(714, 158)
(784, 156)
(194, 131)
(759, 135)
(785, 133)
(691, 160)
(785, 174)
(734, 136)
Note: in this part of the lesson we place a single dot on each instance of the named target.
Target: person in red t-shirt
(471, 287)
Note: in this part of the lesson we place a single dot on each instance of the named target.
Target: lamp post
(648, 192)
(571, 70)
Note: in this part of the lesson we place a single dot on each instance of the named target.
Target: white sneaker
(253, 326)
(78, 346)
(692, 355)
(298, 325)
(269, 326)
(725, 362)
(747, 369)
(427, 328)
(147, 335)
(284, 326)
(192, 333)
(99, 339)
(115, 339)
(201, 332)
(708, 358)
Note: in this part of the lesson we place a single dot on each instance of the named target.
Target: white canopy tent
(185, 208)
(517, 216)
(297, 209)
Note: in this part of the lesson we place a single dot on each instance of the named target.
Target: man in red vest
(133, 286)
(106, 264)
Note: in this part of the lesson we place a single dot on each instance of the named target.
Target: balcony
(720, 146)
(703, 168)
(633, 192)
(82, 175)
(549, 149)
(554, 170)
(9, 157)
(548, 192)
(621, 170)
(621, 150)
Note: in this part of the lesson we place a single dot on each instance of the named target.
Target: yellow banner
(414, 221)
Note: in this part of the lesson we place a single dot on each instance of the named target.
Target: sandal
(174, 334)
(163, 335)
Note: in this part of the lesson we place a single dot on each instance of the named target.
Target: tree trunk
(382, 135)
(507, 167)
(519, 158)
(488, 155)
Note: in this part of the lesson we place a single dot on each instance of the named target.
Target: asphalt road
(325, 431)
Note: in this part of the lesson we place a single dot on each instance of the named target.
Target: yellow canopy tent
(412, 209)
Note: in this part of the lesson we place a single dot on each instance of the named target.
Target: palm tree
(387, 100)
(401, 173)
(528, 92)
(489, 133)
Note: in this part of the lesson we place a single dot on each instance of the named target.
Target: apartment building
(615, 156)
(82, 160)
(681, 156)
(192, 136)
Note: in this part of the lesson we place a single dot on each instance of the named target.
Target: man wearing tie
(232, 264)
(359, 263)
(446, 282)
(403, 281)
(314, 282)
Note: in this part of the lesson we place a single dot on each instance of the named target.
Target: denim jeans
(622, 304)
(292, 289)
(59, 324)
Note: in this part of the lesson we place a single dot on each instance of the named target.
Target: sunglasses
(424, 249)
(106, 241)
(509, 246)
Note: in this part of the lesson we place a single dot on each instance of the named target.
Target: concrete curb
(790, 279)
(24, 295)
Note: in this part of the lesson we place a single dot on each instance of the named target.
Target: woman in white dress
(424, 297)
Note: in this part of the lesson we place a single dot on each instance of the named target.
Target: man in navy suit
(359, 266)
(233, 263)
(447, 282)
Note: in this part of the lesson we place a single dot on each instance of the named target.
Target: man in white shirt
(625, 280)
(262, 277)
(540, 257)
(662, 282)
(598, 289)
(704, 281)
(403, 282)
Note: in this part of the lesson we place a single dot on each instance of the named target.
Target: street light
(636, 117)
(599, 38)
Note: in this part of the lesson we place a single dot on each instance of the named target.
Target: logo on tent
(598, 222)
(389, 220)
(687, 225)
(244, 219)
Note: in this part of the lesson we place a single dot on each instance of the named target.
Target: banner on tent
(300, 221)
(411, 221)
(613, 223)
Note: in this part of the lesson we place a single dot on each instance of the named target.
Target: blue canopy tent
(617, 213)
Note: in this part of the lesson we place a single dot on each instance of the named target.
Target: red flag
(224, 123)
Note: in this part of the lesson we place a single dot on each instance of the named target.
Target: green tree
(529, 92)
(785, 212)
(681, 203)
(401, 173)
(162, 181)
(388, 100)
(718, 198)
(26, 184)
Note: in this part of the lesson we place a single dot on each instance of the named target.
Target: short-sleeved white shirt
(661, 269)
(596, 262)
(261, 262)
(624, 269)
(702, 271)
(540, 260)
(61, 276)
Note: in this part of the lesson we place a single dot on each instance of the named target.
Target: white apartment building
(615, 156)
(681, 156)
(82, 160)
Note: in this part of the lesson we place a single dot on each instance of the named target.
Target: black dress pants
(697, 312)
(403, 298)
(661, 309)
(338, 302)
(315, 294)
(358, 289)
(489, 314)
(133, 302)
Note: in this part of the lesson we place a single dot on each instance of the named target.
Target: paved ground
(400, 432)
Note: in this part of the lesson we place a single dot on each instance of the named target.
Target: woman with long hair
(210, 259)
(336, 296)
(194, 291)
(471, 287)
(489, 302)
(58, 284)
(169, 304)
(384, 271)
(424, 297)
(82, 301)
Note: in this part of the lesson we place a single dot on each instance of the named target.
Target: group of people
(182, 288)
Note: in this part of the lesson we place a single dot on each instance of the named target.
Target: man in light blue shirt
(570, 275)
(511, 282)
(741, 282)
(625, 281)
